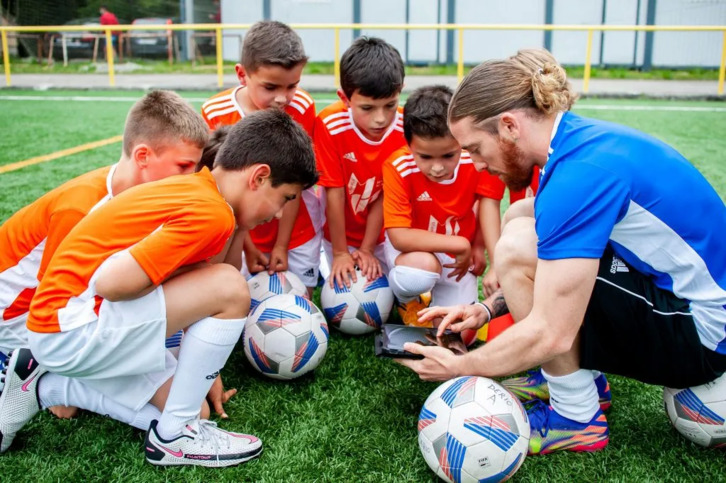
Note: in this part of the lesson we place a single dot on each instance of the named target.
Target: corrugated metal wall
(671, 49)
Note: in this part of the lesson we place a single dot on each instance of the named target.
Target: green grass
(208, 65)
(355, 418)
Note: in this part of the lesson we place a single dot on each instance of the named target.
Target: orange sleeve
(328, 161)
(397, 210)
(212, 125)
(490, 186)
(194, 235)
(61, 223)
(307, 120)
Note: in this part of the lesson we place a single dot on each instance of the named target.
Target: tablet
(389, 342)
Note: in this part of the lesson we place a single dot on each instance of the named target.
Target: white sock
(408, 283)
(57, 390)
(573, 396)
(207, 345)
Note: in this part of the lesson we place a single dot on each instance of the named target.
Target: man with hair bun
(607, 269)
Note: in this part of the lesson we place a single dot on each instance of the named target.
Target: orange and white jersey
(30, 237)
(164, 225)
(224, 110)
(411, 200)
(348, 159)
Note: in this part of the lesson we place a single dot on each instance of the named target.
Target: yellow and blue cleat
(551, 432)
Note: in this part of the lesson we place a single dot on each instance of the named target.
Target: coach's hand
(438, 364)
(218, 396)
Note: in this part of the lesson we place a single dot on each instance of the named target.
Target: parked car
(151, 43)
(78, 44)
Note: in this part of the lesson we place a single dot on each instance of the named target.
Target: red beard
(517, 175)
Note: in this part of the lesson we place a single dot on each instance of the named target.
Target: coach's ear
(344, 98)
(140, 155)
(509, 127)
(259, 176)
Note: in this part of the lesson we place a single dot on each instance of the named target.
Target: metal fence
(218, 30)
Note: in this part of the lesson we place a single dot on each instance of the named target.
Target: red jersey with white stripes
(348, 159)
(224, 110)
(446, 207)
(30, 237)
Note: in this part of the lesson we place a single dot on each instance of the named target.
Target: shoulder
(82, 193)
(402, 164)
(302, 102)
(218, 101)
(335, 118)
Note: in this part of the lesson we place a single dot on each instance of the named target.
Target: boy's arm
(490, 226)
(478, 257)
(233, 256)
(364, 256)
(255, 259)
(343, 264)
(278, 256)
(123, 278)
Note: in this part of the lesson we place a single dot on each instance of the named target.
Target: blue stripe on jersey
(608, 184)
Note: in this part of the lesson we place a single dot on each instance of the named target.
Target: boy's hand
(256, 260)
(368, 263)
(462, 262)
(342, 270)
(278, 260)
(490, 282)
(218, 396)
(479, 261)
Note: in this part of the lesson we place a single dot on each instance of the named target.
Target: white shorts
(13, 333)
(447, 291)
(121, 355)
(326, 261)
(303, 261)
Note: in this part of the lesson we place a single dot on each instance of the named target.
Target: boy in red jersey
(138, 269)
(352, 139)
(272, 61)
(433, 223)
(163, 136)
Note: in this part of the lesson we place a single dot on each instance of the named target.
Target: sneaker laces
(539, 417)
(208, 432)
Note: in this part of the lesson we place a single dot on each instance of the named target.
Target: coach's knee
(232, 291)
(517, 247)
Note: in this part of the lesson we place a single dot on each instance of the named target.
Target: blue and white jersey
(609, 184)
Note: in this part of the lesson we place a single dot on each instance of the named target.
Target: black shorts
(635, 329)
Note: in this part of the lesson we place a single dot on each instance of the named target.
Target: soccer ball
(360, 309)
(472, 429)
(699, 412)
(285, 337)
(263, 286)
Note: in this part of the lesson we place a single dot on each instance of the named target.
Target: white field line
(579, 107)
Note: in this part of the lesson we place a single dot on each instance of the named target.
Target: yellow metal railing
(336, 28)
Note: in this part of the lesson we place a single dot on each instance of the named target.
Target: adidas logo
(309, 272)
(618, 266)
(425, 196)
(350, 157)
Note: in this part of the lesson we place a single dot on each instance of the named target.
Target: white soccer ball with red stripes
(471, 429)
(285, 337)
(699, 412)
(359, 309)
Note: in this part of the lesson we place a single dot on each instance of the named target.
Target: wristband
(489, 312)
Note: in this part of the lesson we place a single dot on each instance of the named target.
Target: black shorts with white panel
(635, 329)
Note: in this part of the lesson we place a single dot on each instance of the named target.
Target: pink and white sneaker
(19, 398)
(201, 443)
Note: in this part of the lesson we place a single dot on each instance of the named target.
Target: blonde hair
(160, 118)
(532, 80)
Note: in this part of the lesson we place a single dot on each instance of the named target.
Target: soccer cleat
(534, 386)
(552, 432)
(201, 443)
(409, 311)
(19, 399)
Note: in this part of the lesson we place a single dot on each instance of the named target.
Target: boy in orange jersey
(138, 269)
(431, 188)
(163, 136)
(352, 139)
(273, 58)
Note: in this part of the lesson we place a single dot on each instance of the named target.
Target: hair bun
(550, 89)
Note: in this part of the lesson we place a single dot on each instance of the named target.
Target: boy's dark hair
(272, 43)
(161, 118)
(216, 139)
(425, 113)
(270, 137)
(372, 67)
